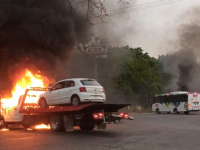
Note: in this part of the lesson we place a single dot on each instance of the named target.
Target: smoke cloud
(184, 64)
(37, 35)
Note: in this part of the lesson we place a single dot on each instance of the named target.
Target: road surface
(147, 132)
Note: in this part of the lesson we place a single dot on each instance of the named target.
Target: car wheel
(75, 101)
(43, 103)
(57, 123)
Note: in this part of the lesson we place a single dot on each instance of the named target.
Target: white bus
(176, 102)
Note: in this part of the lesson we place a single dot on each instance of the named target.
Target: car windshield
(90, 82)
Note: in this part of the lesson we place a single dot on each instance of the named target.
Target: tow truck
(63, 118)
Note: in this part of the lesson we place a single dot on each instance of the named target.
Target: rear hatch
(92, 87)
(194, 100)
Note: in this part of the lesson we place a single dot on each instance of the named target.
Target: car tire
(43, 103)
(57, 123)
(75, 100)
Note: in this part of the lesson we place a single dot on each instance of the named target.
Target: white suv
(72, 91)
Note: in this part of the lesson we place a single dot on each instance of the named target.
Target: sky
(153, 29)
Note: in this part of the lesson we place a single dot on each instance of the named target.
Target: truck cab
(12, 115)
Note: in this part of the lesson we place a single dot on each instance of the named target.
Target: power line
(143, 7)
(140, 5)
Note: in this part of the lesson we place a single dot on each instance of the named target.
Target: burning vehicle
(23, 109)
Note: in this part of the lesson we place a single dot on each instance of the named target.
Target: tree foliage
(141, 75)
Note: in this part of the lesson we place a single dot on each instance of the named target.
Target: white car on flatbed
(73, 91)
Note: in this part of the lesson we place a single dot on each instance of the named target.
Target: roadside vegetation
(128, 75)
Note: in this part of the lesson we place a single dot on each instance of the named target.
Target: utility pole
(95, 68)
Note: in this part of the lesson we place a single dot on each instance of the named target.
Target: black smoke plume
(37, 35)
(184, 64)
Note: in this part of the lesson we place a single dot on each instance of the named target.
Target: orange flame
(4, 129)
(42, 126)
(27, 81)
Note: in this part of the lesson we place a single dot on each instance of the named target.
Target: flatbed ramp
(71, 109)
(64, 117)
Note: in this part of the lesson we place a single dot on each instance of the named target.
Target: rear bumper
(93, 100)
(85, 97)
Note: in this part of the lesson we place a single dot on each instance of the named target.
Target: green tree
(141, 75)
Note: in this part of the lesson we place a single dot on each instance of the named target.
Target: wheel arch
(73, 96)
(41, 99)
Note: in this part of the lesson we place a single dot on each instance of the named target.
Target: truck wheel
(26, 126)
(5, 125)
(75, 101)
(87, 126)
(57, 123)
(186, 112)
(87, 123)
(43, 103)
(1, 124)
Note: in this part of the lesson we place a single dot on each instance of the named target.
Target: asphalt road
(147, 132)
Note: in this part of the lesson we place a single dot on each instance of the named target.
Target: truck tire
(2, 124)
(57, 123)
(87, 123)
(5, 125)
(75, 100)
(43, 103)
(26, 126)
(87, 127)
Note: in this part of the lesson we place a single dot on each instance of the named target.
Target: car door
(12, 114)
(67, 91)
(53, 96)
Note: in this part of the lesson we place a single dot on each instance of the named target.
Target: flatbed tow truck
(64, 118)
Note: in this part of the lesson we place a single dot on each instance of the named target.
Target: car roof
(75, 79)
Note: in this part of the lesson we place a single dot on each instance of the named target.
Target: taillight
(123, 115)
(126, 116)
(189, 105)
(103, 90)
(95, 116)
(98, 115)
(82, 89)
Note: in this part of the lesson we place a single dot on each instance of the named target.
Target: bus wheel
(157, 111)
(186, 112)
(176, 111)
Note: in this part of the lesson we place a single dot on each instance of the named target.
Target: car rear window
(90, 82)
